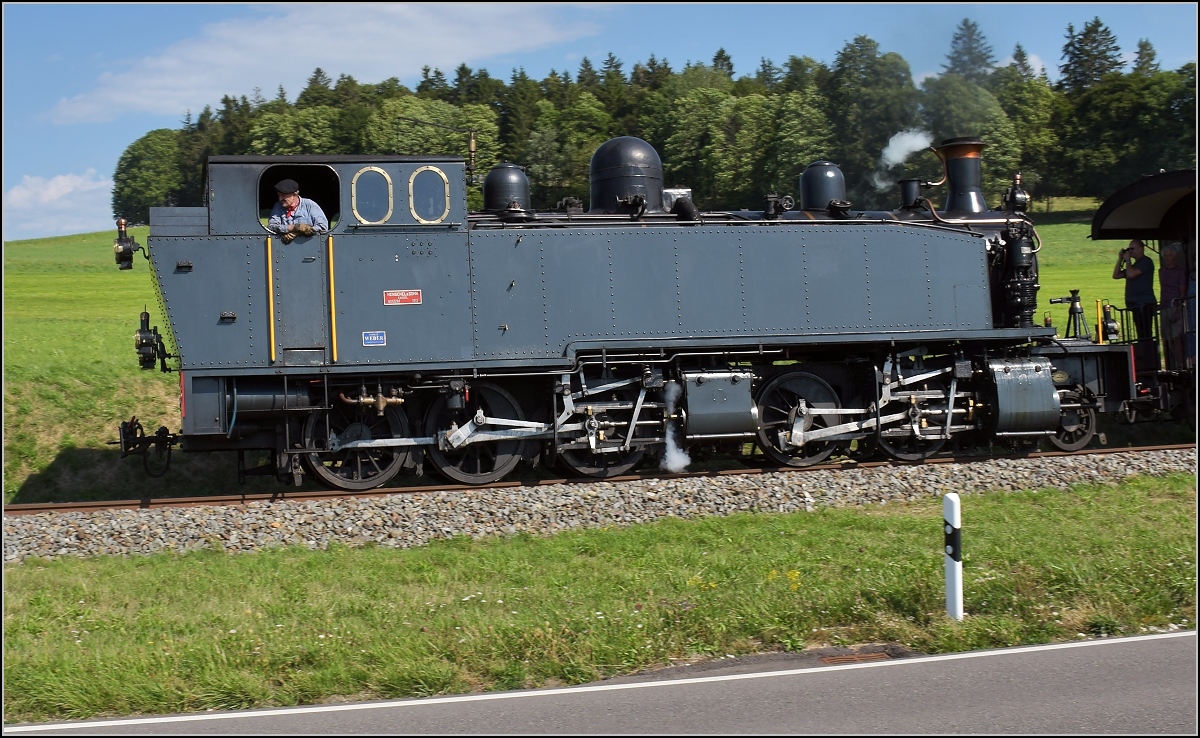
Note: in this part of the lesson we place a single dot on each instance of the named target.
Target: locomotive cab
(1160, 210)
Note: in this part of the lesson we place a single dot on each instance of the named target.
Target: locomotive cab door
(299, 277)
(300, 298)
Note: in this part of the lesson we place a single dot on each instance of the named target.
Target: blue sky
(83, 81)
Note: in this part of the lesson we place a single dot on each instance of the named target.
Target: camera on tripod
(1076, 325)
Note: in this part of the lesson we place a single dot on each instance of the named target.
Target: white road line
(576, 690)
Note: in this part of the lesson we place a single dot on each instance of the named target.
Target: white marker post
(952, 512)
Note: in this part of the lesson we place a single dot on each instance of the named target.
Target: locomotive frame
(419, 334)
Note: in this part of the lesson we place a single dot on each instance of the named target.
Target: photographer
(1137, 270)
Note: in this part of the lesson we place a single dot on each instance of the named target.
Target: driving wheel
(482, 462)
(354, 468)
(784, 399)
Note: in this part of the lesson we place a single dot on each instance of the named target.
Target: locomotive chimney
(964, 173)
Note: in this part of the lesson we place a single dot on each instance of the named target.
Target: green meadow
(71, 376)
(1070, 260)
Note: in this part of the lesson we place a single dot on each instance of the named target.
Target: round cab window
(371, 196)
(429, 195)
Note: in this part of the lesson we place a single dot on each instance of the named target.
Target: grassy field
(71, 375)
(1070, 260)
(169, 633)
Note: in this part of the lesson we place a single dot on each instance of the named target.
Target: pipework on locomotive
(417, 335)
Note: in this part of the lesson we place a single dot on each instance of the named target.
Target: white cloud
(1038, 66)
(1035, 63)
(370, 42)
(919, 79)
(60, 205)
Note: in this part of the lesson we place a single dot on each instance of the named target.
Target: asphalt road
(1139, 685)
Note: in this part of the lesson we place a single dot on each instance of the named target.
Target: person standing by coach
(294, 215)
(1137, 270)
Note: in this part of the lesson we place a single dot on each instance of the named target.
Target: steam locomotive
(418, 335)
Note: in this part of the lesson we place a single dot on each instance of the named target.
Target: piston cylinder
(1027, 403)
(719, 404)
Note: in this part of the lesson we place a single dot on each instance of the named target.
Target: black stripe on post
(953, 541)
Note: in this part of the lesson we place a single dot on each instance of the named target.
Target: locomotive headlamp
(149, 344)
(124, 246)
(145, 341)
(1016, 200)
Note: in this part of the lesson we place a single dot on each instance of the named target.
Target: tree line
(731, 138)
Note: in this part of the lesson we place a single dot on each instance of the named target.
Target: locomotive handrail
(606, 222)
(401, 227)
(270, 301)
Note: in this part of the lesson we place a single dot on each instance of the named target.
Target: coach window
(371, 196)
(318, 182)
(429, 195)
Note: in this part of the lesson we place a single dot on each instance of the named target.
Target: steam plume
(675, 459)
(899, 147)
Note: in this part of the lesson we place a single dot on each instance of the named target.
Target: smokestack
(964, 173)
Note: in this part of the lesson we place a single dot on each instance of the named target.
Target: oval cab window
(371, 196)
(429, 195)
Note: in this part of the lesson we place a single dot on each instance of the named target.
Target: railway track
(285, 494)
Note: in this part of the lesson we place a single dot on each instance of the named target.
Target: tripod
(1076, 325)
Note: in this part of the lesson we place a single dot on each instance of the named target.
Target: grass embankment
(167, 633)
(71, 375)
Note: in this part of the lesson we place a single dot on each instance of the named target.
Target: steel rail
(284, 495)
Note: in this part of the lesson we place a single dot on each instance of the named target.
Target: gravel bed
(406, 520)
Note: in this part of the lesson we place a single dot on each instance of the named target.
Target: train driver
(294, 215)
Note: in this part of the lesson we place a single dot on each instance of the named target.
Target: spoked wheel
(482, 462)
(781, 402)
(1076, 425)
(615, 426)
(904, 441)
(354, 468)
